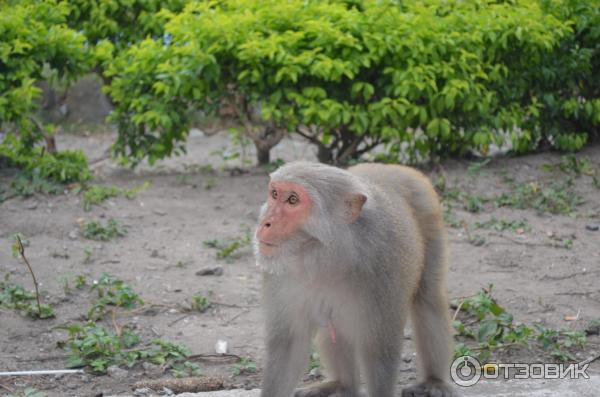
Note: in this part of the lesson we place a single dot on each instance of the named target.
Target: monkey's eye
(293, 199)
(274, 194)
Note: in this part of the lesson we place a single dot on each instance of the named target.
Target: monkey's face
(288, 207)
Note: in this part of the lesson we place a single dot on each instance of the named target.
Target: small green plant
(24, 242)
(37, 310)
(571, 164)
(210, 183)
(199, 168)
(27, 184)
(556, 197)
(492, 327)
(476, 167)
(474, 204)
(87, 255)
(91, 345)
(471, 203)
(449, 218)
(200, 303)
(186, 369)
(501, 225)
(95, 230)
(112, 292)
(273, 165)
(68, 280)
(315, 361)
(97, 194)
(29, 392)
(17, 298)
(227, 248)
(245, 366)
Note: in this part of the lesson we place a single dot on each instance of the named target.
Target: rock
(221, 346)
(74, 234)
(31, 205)
(210, 271)
(592, 227)
(315, 372)
(144, 391)
(151, 370)
(117, 373)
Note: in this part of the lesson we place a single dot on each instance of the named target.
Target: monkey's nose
(267, 224)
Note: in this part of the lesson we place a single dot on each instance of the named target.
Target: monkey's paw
(429, 389)
(326, 389)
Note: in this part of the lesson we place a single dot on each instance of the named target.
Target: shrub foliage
(421, 79)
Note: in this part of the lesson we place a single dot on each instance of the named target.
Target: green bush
(113, 25)
(424, 77)
(34, 39)
(67, 166)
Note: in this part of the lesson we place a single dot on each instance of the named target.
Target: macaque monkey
(346, 255)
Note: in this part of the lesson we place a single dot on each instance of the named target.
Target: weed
(15, 297)
(93, 346)
(227, 248)
(471, 203)
(556, 197)
(29, 392)
(476, 167)
(245, 366)
(15, 247)
(199, 168)
(97, 194)
(38, 310)
(501, 225)
(273, 165)
(211, 182)
(315, 361)
(450, 219)
(26, 184)
(87, 255)
(66, 280)
(570, 164)
(112, 292)
(474, 204)
(185, 369)
(200, 303)
(95, 230)
(493, 328)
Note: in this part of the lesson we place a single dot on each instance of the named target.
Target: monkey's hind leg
(431, 326)
(338, 360)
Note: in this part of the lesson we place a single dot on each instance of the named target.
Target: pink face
(288, 207)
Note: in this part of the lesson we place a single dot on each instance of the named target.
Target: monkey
(345, 256)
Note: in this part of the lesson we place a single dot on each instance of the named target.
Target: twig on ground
(11, 391)
(236, 317)
(21, 250)
(214, 357)
(179, 319)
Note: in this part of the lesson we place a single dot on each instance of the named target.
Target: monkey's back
(398, 181)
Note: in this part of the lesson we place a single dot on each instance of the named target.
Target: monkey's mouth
(266, 243)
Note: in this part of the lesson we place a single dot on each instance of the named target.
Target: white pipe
(45, 372)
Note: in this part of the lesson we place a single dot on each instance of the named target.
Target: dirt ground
(547, 275)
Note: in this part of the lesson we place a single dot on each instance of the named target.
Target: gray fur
(363, 277)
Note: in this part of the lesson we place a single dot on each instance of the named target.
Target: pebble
(118, 373)
(592, 227)
(74, 234)
(210, 271)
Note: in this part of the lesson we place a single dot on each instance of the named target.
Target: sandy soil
(533, 278)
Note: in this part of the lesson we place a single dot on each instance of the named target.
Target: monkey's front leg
(287, 345)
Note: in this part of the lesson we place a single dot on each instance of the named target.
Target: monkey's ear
(354, 203)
